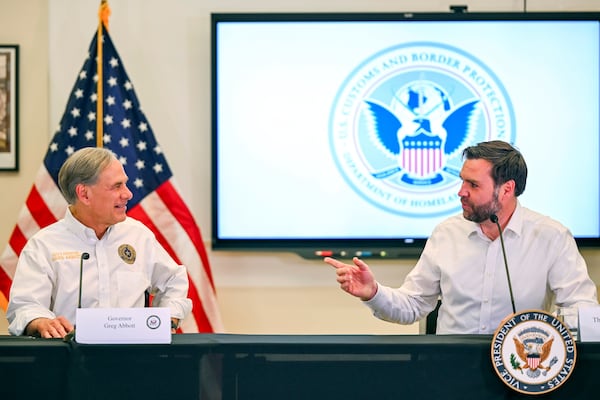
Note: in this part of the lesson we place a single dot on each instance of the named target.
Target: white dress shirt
(126, 262)
(464, 268)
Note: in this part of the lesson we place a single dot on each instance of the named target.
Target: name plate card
(589, 324)
(123, 325)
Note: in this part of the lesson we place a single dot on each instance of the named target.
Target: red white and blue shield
(422, 155)
(533, 360)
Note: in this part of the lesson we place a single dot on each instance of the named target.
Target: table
(33, 368)
(380, 367)
(289, 367)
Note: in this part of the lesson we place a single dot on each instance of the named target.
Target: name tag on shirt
(589, 324)
(123, 325)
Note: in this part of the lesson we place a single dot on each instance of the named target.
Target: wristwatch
(174, 325)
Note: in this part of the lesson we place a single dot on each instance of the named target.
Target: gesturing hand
(355, 279)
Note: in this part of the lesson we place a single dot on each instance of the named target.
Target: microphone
(84, 256)
(494, 219)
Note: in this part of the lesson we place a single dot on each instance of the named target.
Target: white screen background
(277, 82)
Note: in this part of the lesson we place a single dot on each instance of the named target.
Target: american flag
(156, 202)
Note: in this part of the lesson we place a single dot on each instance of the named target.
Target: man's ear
(82, 192)
(508, 188)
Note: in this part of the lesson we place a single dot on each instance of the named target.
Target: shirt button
(483, 327)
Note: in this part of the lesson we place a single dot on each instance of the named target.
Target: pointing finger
(333, 262)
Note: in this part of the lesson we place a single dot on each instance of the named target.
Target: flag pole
(103, 14)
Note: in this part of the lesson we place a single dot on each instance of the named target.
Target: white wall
(165, 46)
(25, 23)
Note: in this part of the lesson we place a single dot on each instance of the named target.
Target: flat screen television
(344, 132)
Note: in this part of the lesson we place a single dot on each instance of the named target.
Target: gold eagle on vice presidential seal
(533, 348)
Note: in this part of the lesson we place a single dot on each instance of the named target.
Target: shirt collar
(81, 230)
(515, 224)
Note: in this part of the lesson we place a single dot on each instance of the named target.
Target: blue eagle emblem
(421, 129)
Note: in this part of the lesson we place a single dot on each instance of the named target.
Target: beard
(482, 212)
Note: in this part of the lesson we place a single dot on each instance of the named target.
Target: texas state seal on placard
(533, 352)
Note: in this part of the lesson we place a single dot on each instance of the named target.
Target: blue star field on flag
(127, 132)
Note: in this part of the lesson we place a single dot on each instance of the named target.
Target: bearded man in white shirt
(462, 262)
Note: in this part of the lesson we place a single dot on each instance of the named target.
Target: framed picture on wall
(9, 107)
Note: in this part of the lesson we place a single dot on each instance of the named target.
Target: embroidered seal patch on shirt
(127, 253)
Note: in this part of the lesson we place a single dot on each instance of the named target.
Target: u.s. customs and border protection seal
(533, 352)
(402, 117)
